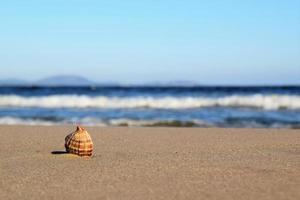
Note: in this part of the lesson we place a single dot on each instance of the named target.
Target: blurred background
(150, 63)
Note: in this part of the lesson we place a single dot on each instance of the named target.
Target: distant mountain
(64, 80)
(74, 80)
(172, 84)
(182, 83)
(12, 82)
(55, 81)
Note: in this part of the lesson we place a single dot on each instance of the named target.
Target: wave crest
(90, 121)
(273, 102)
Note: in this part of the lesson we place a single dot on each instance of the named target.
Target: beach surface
(151, 163)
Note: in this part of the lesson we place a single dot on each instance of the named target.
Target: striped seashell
(79, 142)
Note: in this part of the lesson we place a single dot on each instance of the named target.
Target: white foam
(90, 121)
(131, 122)
(76, 101)
(20, 121)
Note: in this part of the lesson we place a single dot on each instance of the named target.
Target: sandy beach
(151, 163)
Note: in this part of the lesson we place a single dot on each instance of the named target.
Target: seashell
(79, 142)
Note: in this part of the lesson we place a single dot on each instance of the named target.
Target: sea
(184, 106)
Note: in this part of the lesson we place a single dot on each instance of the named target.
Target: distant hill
(12, 82)
(61, 80)
(75, 80)
(172, 84)
(64, 80)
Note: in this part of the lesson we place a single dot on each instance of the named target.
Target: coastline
(151, 163)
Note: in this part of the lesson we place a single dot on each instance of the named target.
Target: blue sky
(208, 42)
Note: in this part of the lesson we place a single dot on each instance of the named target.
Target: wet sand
(151, 163)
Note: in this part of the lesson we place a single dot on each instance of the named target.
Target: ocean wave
(90, 121)
(270, 102)
(21, 121)
(158, 123)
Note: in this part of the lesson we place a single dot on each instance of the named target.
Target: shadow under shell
(59, 152)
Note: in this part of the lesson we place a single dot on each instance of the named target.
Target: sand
(151, 163)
